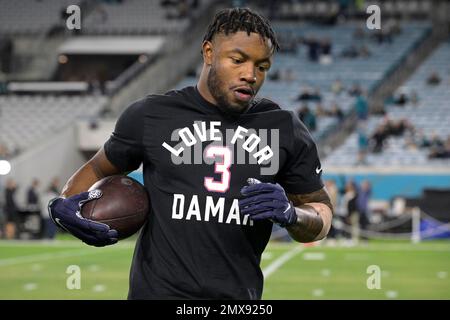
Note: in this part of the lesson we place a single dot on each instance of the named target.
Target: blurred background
(376, 99)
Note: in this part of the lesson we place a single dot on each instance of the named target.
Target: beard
(217, 89)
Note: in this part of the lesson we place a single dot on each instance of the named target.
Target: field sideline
(37, 270)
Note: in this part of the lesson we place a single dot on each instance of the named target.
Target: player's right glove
(267, 201)
(65, 212)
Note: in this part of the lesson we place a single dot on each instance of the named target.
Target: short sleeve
(124, 148)
(302, 172)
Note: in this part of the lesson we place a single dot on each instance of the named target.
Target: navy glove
(66, 214)
(267, 201)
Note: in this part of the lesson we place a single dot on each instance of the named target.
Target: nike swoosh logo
(289, 206)
(318, 170)
(60, 224)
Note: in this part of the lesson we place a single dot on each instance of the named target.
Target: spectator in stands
(326, 48)
(49, 228)
(282, 75)
(377, 139)
(354, 51)
(399, 127)
(401, 99)
(320, 111)
(364, 51)
(275, 75)
(434, 79)
(441, 152)
(11, 210)
(309, 94)
(350, 52)
(394, 27)
(361, 107)
(390, 128)
(337, 87)
(183, 9)
(349, 202)
(362, 204)
(336, 111)
(435, 141)
(344, 6)
(383, 35)
(363, 144)
(355, 90)
(33, 194)
(307, 117)
(417, 140)
(313, 48)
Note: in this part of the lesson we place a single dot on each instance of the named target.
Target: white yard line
(394, 248)
(56, 243)
(45, 257)
(274, 266)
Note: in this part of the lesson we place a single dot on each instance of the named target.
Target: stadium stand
(429, 116)
(149, 17)
(102, 18)
(27, 120)
(365, 72)
(36, 17)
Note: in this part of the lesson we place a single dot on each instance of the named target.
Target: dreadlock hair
(232, 20)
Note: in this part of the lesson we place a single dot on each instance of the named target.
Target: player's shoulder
(267, 105)
(264, 105)
(174, 95)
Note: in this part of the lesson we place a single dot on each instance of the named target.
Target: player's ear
(207, 51)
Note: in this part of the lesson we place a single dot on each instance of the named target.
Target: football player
(220, 166)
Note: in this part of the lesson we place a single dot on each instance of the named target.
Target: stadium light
(5, 167)
(62, 59)
(143, 58)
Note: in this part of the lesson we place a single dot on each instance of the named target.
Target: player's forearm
(313, 222)
(80, 181)
(95, 169)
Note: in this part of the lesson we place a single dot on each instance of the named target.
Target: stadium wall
(387, 186)
(55, 156)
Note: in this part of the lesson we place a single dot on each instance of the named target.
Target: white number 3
(220, 167)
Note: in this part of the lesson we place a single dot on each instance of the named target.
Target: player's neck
(203, 89)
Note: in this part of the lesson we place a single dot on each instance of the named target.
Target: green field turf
(38, 270)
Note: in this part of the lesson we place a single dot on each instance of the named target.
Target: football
(123, 206)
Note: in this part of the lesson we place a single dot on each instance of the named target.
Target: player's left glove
(267, 201)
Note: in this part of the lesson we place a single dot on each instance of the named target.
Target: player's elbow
(327, 216)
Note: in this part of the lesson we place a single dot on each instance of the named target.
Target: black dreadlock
(233, 20)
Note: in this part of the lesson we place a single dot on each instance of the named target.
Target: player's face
(238, 66)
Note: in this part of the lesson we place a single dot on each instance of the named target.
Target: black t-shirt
(196, 159)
